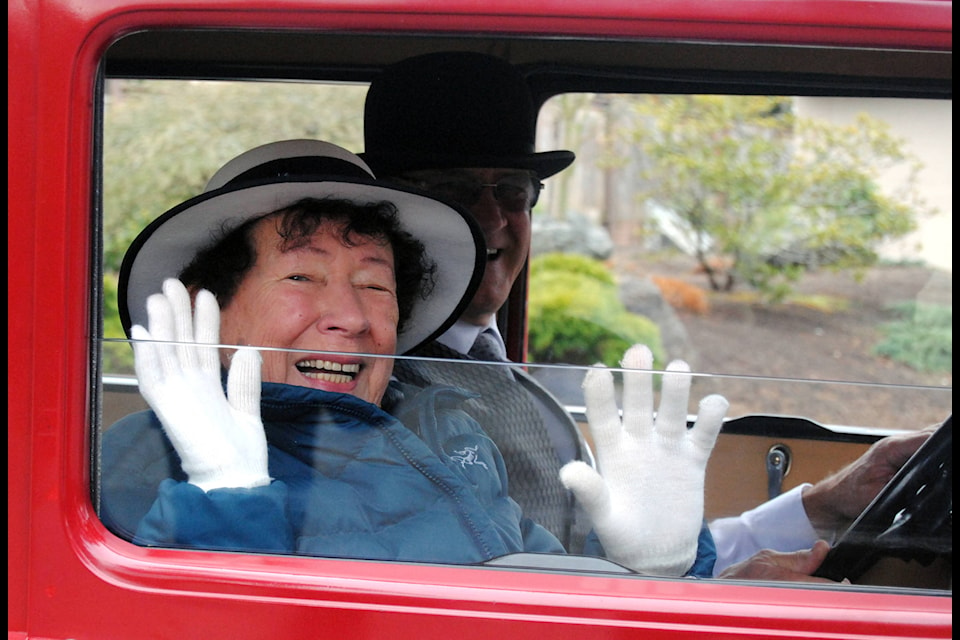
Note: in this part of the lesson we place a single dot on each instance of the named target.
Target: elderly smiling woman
(266, 359)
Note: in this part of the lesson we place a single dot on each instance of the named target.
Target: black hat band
(300, 166)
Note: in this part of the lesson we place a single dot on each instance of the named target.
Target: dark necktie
(487, 348)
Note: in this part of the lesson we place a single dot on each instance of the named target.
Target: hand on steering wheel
(911, 518)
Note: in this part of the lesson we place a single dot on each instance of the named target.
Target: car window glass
(761, 235)
(818, 350)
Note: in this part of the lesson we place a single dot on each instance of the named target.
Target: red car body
(68, 577)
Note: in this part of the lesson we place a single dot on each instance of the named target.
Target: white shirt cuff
(780, 524)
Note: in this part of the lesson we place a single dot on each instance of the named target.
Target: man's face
(505, 221)
(322, 296)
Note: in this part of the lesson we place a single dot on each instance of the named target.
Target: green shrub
(922, 339)
(576, 316)
(571, 263)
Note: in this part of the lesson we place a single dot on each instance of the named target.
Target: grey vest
(515, 414)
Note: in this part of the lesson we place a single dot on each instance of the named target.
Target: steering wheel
(911, 518)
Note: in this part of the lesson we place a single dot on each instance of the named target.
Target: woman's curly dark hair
(222, 265)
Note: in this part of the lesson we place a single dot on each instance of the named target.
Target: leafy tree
(117, 356)
(766, 195)
(163, 140)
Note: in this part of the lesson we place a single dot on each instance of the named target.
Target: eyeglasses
(513, 193)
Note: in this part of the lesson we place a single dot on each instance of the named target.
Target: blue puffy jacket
(349, 480)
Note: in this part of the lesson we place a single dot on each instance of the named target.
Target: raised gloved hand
(220, 439)
(646, 504)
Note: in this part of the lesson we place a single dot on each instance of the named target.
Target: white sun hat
(276, 175)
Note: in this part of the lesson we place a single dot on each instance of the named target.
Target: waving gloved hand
(647, 506)
(220, 439)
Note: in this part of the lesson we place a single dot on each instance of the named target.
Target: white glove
(220, 439)
(647, 507)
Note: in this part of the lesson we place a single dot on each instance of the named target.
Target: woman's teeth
(328, 371)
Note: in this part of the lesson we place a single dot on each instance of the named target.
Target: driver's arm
(797, 518)
(834, 502)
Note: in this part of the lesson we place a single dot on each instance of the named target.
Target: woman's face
(322, 296)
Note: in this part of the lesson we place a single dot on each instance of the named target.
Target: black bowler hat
(453, 110)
